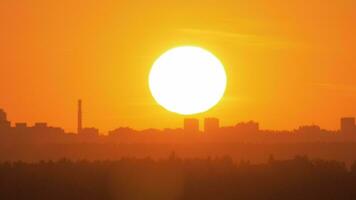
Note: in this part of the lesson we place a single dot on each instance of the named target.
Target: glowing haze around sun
(187, 80)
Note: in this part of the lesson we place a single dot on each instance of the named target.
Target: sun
(187, 80)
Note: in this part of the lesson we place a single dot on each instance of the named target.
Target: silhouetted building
(3, 120)
(89, 132)
(191, 125)
(40, 125)
(79, 128)
(248, 127)
(308, 129)
(211, 125)
(347, 125)
(21, 125)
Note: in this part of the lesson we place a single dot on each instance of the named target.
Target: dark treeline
(256, 153)
(174, 178)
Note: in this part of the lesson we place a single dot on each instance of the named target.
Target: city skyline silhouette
(189, 124)
(41, 141)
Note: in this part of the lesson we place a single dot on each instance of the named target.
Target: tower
(79, 116)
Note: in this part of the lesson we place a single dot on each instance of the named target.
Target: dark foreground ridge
(178, 179)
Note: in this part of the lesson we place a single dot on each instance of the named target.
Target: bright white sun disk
(187, 80)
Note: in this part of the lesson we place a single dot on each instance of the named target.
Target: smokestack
(79, 116)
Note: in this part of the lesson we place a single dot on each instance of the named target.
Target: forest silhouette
(174, 178)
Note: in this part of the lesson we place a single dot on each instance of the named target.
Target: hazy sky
(288, 62)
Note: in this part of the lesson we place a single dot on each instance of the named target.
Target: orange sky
(288, 62)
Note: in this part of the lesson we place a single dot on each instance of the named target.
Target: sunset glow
(283, 59)
(177, 100)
